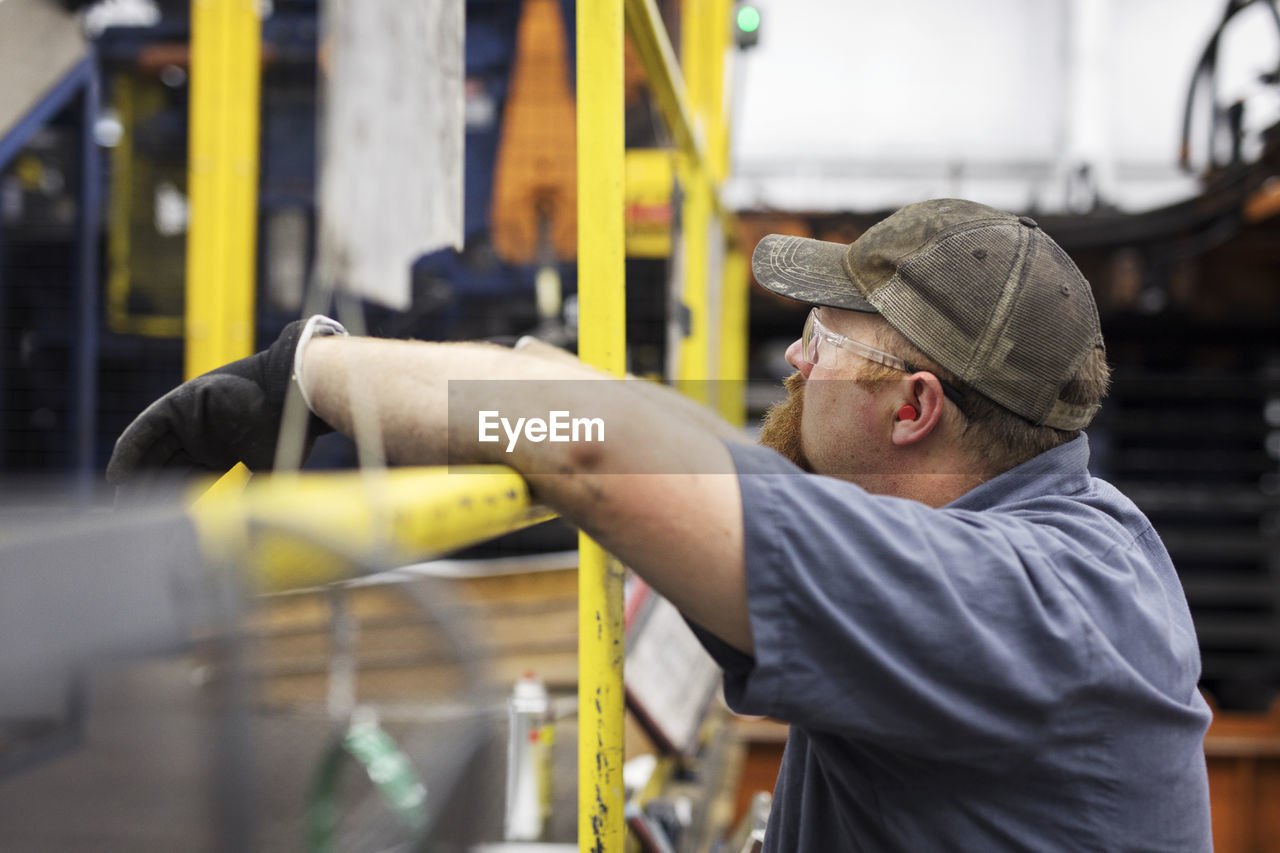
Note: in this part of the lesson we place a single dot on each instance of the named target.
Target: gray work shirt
(1014, 671)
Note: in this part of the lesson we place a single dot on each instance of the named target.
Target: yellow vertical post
(731, 358)
(222, 181)
(694, 22)
(704, 39)
(602, 343)
(732, 399)
(695, 217)
(709, 55)
(709, 99)
(695, 209)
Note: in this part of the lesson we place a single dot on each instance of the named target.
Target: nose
(795, 358)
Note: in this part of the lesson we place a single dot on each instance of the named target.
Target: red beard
(781, 427)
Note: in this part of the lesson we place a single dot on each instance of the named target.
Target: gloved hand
(207, 425)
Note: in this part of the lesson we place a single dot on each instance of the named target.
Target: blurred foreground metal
(162, 691)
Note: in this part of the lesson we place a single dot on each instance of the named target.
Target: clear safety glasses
(816, 335)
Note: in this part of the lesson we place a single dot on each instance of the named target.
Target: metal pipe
(732, 375)
(601, 343)
(694, 365)
(293, 531)
(226, 71)
(704, 41)
(88, 223)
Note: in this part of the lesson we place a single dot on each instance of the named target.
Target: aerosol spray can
(529, 741)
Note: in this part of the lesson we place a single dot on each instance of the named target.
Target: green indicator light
(748, 19)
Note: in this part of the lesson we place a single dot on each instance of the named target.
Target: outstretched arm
(659, 491)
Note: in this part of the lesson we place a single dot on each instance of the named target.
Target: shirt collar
(1064, 470)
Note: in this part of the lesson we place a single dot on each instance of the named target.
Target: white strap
(318, 326)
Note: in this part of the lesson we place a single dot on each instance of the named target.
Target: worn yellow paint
(602, 343)
(293, 531)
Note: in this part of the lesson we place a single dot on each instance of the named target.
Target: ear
(923, 394)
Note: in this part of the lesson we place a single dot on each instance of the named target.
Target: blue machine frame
(82, 80)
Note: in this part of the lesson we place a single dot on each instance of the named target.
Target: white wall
(864, 104)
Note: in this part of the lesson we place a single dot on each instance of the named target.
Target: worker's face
(830, 423)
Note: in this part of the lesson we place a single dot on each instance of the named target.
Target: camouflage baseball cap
(986, 294)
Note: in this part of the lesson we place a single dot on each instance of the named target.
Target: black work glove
(207, 425)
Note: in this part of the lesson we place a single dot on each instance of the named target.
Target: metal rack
(82, 83)
(420, 511)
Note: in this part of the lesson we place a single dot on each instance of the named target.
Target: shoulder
(1055, 502)
(1094, 522)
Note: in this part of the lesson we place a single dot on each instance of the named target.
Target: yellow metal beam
(706, 54)
(666, 83)
(694, 25)
(704, 43)
(732, 387)
(602, 343)
(226, 48)
(293, 531)
(131, 100)
(694, 108)
(694, 364)
(650, 177)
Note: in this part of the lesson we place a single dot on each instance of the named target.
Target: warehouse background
(1142, 134)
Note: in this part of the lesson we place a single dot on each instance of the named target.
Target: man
(978, 645)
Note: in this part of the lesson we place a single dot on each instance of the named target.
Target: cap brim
(808, 271)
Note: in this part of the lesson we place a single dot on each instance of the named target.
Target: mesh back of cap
(1051, 326)
(999, 305)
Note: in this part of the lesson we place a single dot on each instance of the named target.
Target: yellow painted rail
(704, 29)
(602, 343)
(693, 106)
(226, 72)
(734, 299)
(668, 85)
(292, 531)
(666, 82)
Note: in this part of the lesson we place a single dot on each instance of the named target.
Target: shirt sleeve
(941, 631)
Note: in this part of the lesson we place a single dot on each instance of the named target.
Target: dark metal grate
(1186, 435)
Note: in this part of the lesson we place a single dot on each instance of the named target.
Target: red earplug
(907, 413)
